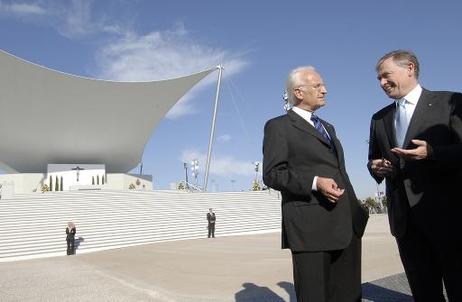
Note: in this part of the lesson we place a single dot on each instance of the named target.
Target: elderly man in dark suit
(416, 146)
(322, 220)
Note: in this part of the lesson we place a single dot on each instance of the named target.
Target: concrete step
(34, 224)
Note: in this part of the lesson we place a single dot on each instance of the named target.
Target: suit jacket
(431, 183)
(70, 234)
(211, 218)
(294, 152)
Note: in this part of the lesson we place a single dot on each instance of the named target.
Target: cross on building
(78, 171)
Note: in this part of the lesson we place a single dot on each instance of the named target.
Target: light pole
(195, 169)
(257, 167)
(185, 165)
(232, 184)
(285, 98)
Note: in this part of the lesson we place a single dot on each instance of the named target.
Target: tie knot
(402, 102)
(314, 118)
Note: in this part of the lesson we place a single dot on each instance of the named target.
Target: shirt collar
(306, 115)
(414, 95)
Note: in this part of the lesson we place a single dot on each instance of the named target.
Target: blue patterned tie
(320, 128)
(401, 121)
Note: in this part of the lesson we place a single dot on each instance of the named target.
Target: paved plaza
(235, 268)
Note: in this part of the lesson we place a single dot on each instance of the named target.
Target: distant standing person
(211, 218)
(70, 237)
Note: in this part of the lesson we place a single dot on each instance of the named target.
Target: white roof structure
(48, 116)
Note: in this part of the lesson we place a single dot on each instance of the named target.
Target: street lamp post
(185, 165)
(195, 169)
(257, 167)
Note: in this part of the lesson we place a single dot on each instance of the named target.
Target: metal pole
(212, 131)
(185, 165)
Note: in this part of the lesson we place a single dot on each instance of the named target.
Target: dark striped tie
(319, 127)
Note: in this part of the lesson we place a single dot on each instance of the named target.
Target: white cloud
(220, 165)
(224, 138)
(22, 9)
(162, 55)
(77, 20)
(72, 19)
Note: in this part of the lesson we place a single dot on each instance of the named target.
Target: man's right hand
(328, 187)
(381, 167)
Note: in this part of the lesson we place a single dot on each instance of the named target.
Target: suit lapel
(423, 108)
(337, 147)
(387, 129)
(389, 121)
(299, 123)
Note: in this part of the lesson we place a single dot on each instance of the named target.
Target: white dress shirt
(410, 102)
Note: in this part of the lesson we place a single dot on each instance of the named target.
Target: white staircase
(33, 225)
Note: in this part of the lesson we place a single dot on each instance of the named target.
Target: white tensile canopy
(48, 116)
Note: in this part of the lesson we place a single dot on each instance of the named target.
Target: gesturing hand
(420, 152)
(381, 167)
(328, 187)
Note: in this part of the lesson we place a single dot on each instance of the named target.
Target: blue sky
(258, 42)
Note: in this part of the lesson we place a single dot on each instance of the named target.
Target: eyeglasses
(315, 86)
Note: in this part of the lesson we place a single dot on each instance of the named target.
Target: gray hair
(295, 79)
(401, 58)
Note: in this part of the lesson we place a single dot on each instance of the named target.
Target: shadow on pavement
(289, 288)
(371, 292)
(376, 293)
(255, 293)
(77, 243)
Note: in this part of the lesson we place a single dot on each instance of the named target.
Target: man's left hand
(420, 152)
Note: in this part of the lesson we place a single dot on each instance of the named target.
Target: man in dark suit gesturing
(416, 145)
(322, 220)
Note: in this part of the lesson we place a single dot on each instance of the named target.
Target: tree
(56, 184)
(256, 186)
(44, 188)
(384, 201)
(61, 184)
(51, 183)
(370, 204)
(181, 186)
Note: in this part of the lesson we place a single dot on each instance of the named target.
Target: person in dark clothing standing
(70, 237)
(211, 218)
(415, 145)
(322, 219)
